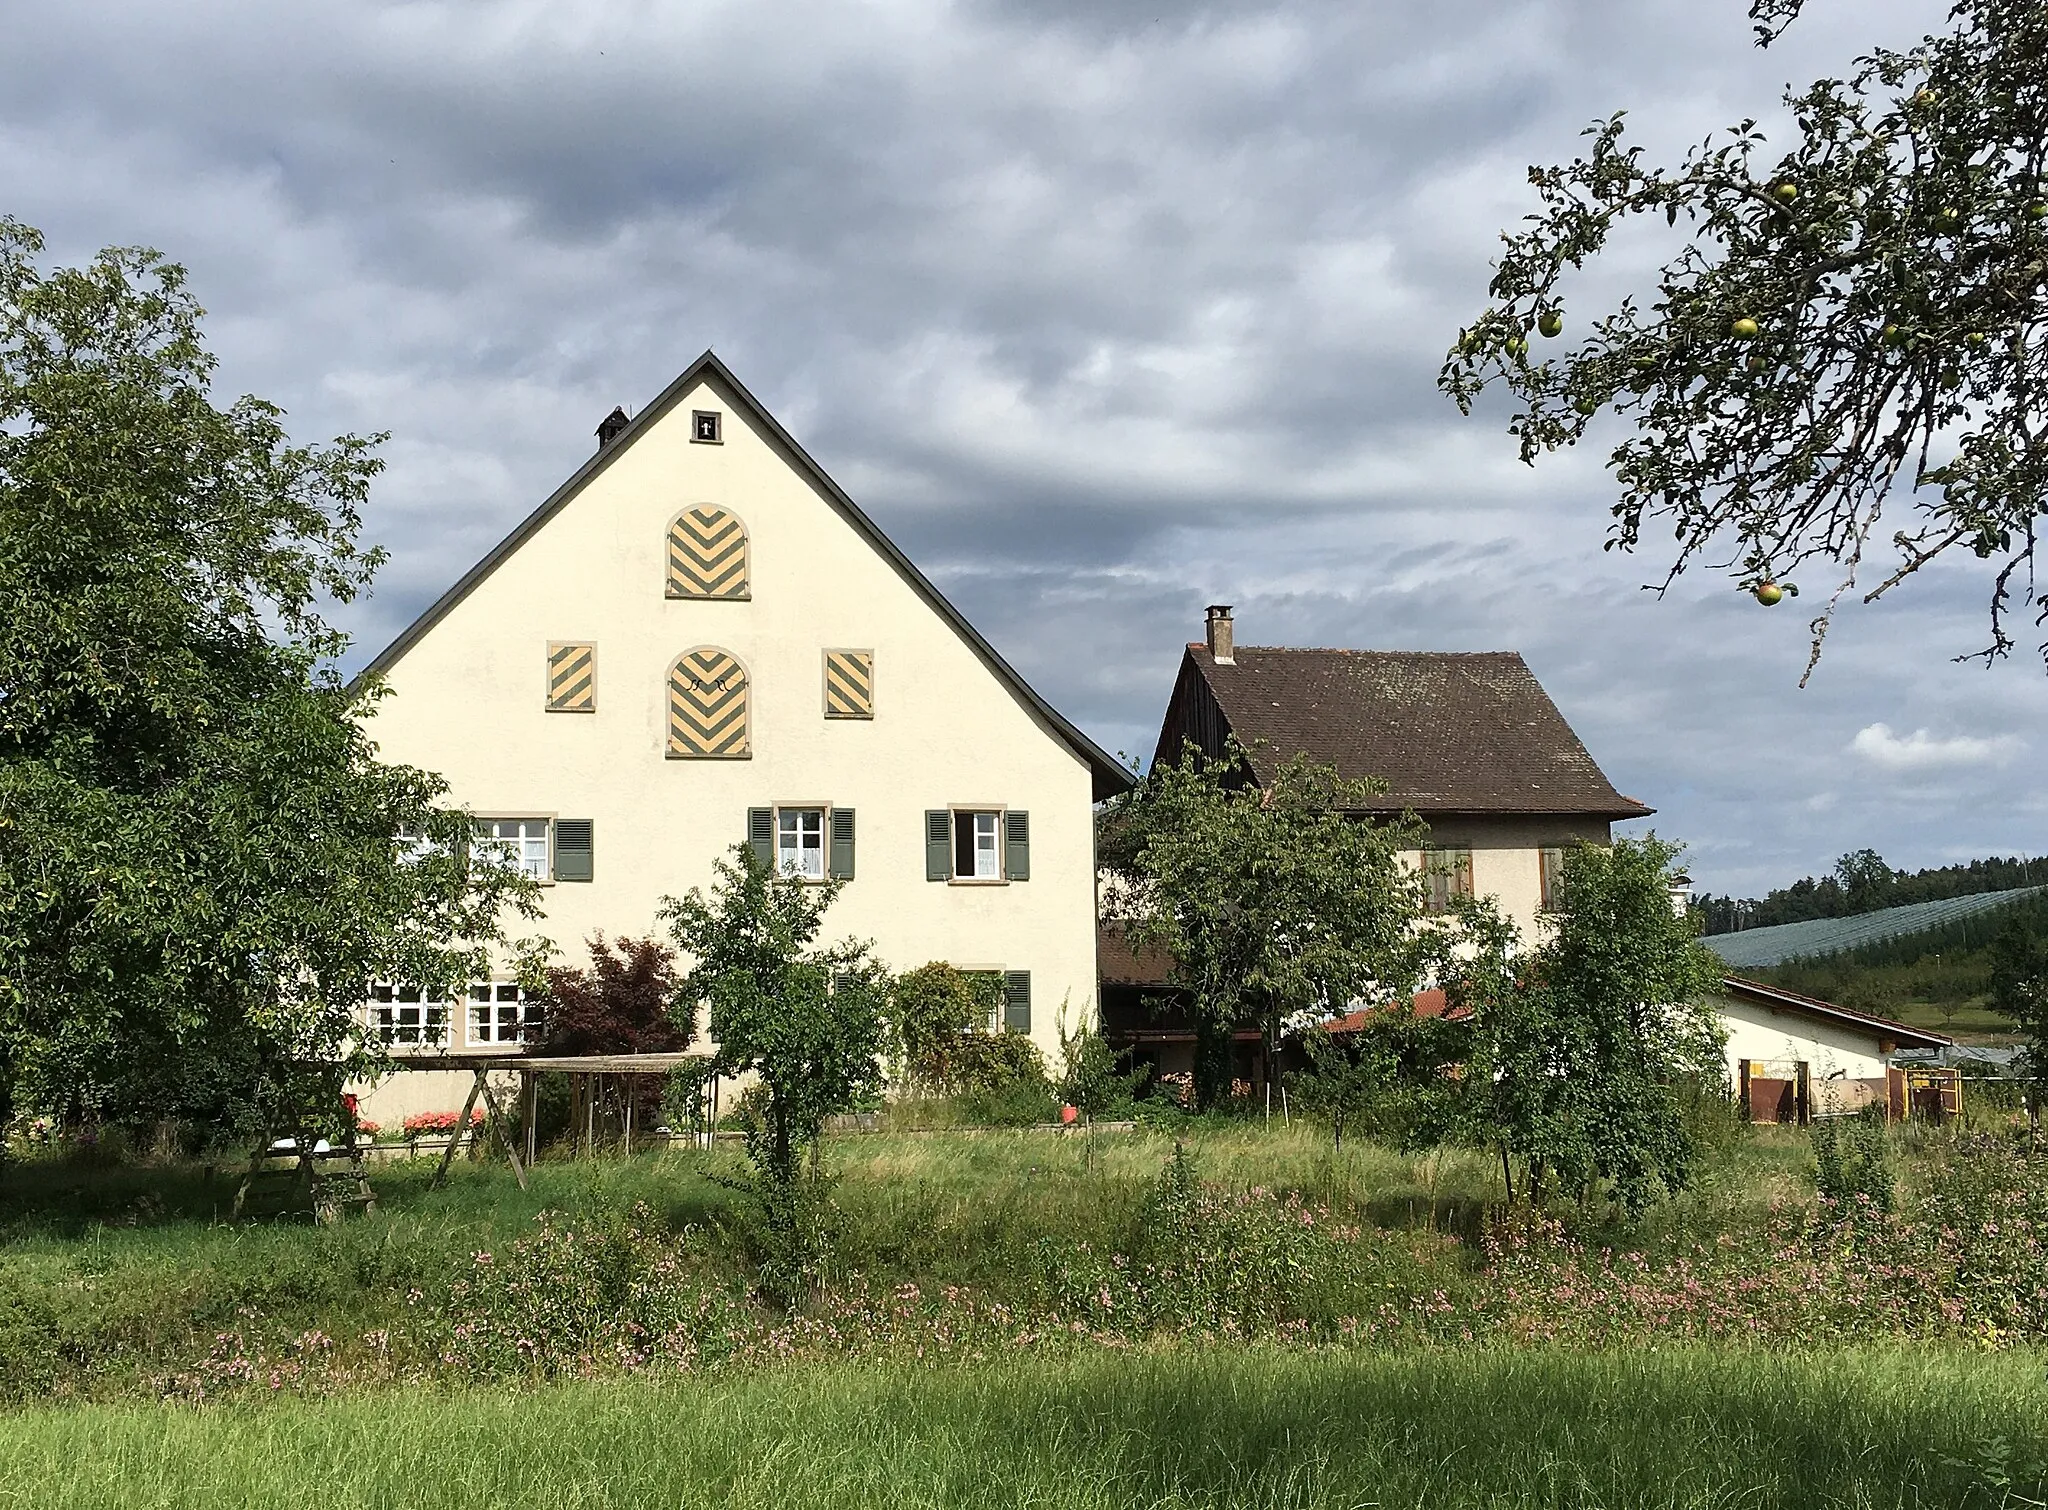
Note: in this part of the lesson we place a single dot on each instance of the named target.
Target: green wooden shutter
(1017, 846)
(1016, 1001)
(839, 863)
(761, 833)
(575, 847)
(938, 845)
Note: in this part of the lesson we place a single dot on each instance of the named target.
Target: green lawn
(1173, 1427)
(128, 1282)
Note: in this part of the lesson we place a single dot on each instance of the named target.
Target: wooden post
(498, 1127)
(529, 1101)
(461, 1122)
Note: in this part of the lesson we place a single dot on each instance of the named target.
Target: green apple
(1769, 593)
(1551, 322)
(1744, 329)
(1786, 192)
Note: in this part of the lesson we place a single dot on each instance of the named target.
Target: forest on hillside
(1863, 882)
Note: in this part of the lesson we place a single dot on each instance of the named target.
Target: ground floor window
(504, 1012)
(520, 843)
(407, 1015)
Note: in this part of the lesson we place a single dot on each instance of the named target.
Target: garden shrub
(1850, 1162)
(614, 1290)
(1245, 1263)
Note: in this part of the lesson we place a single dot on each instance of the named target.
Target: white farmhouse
(700, 640)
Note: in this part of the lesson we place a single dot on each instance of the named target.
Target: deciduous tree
(200, 854)
(1583, 1046)
(1270, 899)
(805, 1020)
(1859, 309)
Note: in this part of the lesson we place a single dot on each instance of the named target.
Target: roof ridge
(1108, 771)
(1436, 655)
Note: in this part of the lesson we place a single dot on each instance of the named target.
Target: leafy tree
(2019, 989)
(1090, 1080)
(1398, 1076)
(933, 1011)
(806, 1021)
(1583, 1046)
(199, 865)
(1270, 900)
(620, 1005)
(1866, 881)
(1865, 309)
(1347, 1080)
(1829, 897)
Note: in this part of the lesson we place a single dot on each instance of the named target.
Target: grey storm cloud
(1105, 310)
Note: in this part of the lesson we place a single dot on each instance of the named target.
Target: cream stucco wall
(467, 701)
(1755, 1031)
(1507, 857)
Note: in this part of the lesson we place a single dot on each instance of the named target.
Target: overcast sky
(1105, 311)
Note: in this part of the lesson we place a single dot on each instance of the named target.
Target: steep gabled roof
(1110, 776)
(1447, 732)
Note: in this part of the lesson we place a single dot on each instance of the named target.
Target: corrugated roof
(1470, 732)
(1754, 947)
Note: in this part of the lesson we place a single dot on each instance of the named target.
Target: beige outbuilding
(699, 641)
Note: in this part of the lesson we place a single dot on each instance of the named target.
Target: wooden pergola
(528, 1066)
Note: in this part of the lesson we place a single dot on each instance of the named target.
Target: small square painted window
(503, 1012)
(976, 852)
(704, 427)
(521, 843)
(407, 1015)
(800, 842)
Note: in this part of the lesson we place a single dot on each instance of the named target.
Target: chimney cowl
(1222, 640)
(609, 427)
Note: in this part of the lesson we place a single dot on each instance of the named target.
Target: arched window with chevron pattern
(707, 555)
(707, 706)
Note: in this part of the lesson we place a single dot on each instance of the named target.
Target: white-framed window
(408, 1016)
(412, 844)
(977, 846)
(800, 842)
(521, 843)
(501, 1011)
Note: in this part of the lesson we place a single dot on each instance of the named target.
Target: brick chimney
(1222, 644)
(609, 427)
